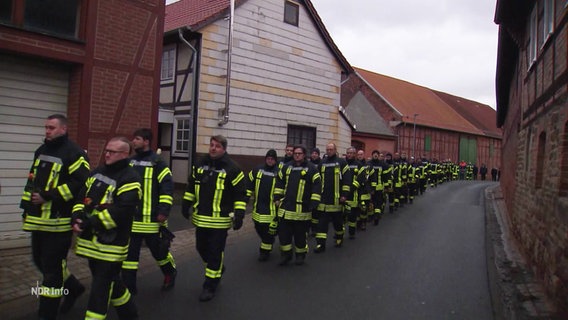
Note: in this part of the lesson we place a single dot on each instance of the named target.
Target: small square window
(291, 12)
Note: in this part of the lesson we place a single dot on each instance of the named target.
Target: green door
(468, 149)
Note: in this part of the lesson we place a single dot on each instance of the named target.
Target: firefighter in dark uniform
(336, 185)
(151, 219)
(364, 194)
(59, 170)
(261, 184)
(379, 177)
(354, 202)
(389, 185)
(297, 194)
(216, 191)
(316, 160)
(397, 180)
(103, 217)
(424, 168)
(413, 179)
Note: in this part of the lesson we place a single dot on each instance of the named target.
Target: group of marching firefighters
(341, 190)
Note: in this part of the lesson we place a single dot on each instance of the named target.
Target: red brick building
(94, 60)
(532, 92)
(399, 116)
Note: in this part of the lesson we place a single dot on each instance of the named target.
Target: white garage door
(29, 92)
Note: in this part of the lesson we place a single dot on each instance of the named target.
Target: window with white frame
(168, 64)
(532, 48)
(181, 135)
(548, 19)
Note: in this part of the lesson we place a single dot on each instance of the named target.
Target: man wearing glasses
(102, 217)
(58, 172)
(298, 187)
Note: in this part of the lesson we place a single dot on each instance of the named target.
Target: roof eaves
(378, 93)
(327, 37)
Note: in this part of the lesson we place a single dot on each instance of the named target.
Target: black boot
(300, 258)
(75, 290)
(263, 255)
(286, 257)
(169, 280)
(127, 311)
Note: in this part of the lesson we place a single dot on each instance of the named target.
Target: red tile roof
(409, 99)
(195, 13)
(199, 13)
(480, 115)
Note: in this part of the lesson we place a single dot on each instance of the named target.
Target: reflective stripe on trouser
(336, 218)
(293, 231)
(266, 239)
(107, 287)
(210, 243)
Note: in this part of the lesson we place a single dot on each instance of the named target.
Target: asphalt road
(425, 261)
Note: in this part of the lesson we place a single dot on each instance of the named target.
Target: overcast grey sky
(446, 45)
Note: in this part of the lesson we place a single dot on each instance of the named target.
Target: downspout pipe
(192, 112)
(224, 113)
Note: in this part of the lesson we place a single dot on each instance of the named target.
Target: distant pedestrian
(483, 171)
(494, 174)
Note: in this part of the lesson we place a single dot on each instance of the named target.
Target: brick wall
(534, 165)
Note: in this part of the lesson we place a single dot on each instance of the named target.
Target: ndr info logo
(48, 292)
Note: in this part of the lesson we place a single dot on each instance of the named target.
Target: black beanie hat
(272, 153)
(316, 150)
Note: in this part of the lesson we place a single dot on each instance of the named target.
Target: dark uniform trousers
(107, 286)
(210, 243)
(336, 218)
(266, 239)
(297, 229)
(378, 198)
(159, 250)
(353, 214)
(49, 251)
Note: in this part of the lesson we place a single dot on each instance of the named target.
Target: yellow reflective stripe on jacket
(65, 192)
(297, 216)
(106, 219)
(33, 223)
(165, 198)
(77, 164)
(189, 196)
(52, 292)
(145, 227)
(164, 173)
(147, 194)
(216, 222)
(130, 265)
(262, 218)
(106, 252)
(129, 187)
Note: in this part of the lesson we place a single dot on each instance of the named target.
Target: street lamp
(414, 137)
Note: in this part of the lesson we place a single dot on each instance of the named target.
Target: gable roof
(408, 99)
(480, 115)
(197, 14)
(368, 120)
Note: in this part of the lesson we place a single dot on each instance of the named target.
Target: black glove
(80, 215)
(238, 219)
(186, 209)
(313, 205)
